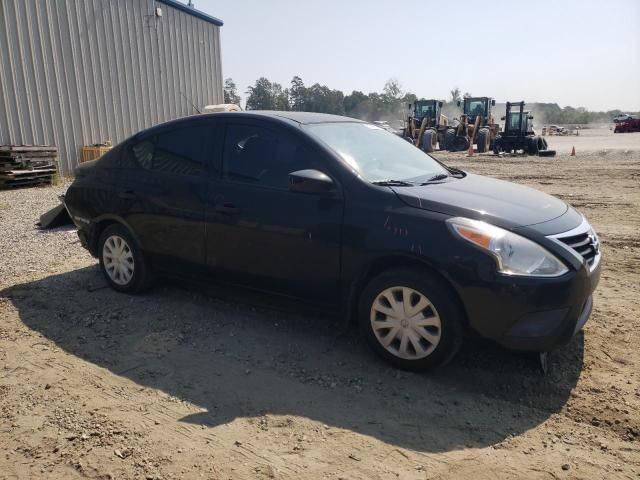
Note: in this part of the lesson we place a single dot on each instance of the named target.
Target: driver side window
(265, 157)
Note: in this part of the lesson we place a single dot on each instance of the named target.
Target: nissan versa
(341, 211)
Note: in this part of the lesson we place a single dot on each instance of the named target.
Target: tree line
(386, 105)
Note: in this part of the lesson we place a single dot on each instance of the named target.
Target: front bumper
(532, 314)
(543, 331)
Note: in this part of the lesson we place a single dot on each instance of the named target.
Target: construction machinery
(628, 125)
(425, 126)
(518, 134)
(476, 126)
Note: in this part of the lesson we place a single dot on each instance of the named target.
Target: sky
(582, 53)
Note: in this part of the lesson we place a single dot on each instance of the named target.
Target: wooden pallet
(27, 148)
(25, 165)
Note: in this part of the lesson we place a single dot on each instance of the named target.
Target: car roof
(304, 118)
(291, 118)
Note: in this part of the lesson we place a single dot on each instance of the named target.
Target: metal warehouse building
(83, 72)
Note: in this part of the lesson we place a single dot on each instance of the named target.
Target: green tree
(280, 97)
(356, 104)
(261, 95)
(231, 92)
(265, 95)
(298, 95)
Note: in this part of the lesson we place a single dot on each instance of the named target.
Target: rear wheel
(449, 137)
(460, 144)
(121, 260)
(497, 145)
(429, 140)
(532, 145)
(411, 319)
(542, 143)
(483, 140)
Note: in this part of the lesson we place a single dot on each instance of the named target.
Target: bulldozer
(476, 126)
(518, 133)
(425, 126)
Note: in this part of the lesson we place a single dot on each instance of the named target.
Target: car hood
(483, 198)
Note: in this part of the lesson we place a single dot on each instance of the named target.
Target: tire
(449, 137)
(497, 145)
(547, 153)
(425, 346)
(121, 261)
(459, 144)
(483, 140)
(542, 143)
(429, 140)
(532, 145)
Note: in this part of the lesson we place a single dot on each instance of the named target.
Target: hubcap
(118, 260)
(405, 323)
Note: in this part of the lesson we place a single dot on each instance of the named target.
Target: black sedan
(342, 212)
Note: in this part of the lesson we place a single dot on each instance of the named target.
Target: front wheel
(411, 319)
(483, 140)
(121, 260)
(429, 140)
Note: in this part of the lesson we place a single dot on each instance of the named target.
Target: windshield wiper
(435, 178)
(456, 172)
(393, 183)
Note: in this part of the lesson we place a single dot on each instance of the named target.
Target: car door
(166, 192)
(257, 229)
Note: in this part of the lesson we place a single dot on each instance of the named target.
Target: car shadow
(240, 354)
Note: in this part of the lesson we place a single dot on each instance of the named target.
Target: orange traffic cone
(573, 151)
(470, 151)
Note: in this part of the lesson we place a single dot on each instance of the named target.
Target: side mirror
(503, 118)
(530, 117)
(458, 103)
(493, 103)
(311, 181)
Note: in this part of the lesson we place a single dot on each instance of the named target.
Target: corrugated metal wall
(80, 72)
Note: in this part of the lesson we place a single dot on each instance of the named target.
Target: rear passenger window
(179, 151)
(259, 155)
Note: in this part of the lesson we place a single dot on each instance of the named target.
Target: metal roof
(193, 11)
(79, 73)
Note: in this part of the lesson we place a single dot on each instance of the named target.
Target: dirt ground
(190, 381)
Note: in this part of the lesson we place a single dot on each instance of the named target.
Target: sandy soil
(213, 382)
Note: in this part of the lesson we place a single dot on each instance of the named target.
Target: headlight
(514, 254)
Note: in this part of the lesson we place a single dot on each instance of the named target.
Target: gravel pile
(25, 248)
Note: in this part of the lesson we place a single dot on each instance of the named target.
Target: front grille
(585, 244)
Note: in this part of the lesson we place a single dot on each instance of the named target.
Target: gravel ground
(194, 381)
(25, 248)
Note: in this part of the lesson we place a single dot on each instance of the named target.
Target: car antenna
(189, 100)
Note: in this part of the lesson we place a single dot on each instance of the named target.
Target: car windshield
(376, 154)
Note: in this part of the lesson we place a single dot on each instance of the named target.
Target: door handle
(128, 195)
(227, 209)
